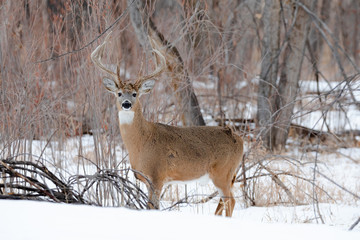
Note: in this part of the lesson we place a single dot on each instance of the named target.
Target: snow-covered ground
(39, 220)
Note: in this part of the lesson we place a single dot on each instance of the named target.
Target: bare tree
(186, 100)
(276, 99)
(289, 79)
(269, 68)
(315, 39)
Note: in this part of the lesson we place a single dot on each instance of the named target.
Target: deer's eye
(134, 94)
(119, 94)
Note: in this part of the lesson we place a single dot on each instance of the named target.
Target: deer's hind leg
(220, 207)
(227, 201)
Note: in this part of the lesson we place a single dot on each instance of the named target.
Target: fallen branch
(18, 174)
(354, 224)
(31, 181)
(276, 179)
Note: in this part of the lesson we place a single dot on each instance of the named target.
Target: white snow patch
(40, 220)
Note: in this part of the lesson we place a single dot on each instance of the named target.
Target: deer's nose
(126, 105)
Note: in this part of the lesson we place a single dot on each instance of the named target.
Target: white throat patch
(126, 117)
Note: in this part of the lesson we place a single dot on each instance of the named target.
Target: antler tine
(118, 73)
(157, 71)
(96, 56)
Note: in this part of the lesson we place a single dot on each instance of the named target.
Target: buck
(161, 154)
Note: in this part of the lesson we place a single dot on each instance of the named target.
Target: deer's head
(126, 93)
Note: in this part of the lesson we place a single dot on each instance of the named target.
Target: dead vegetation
(50, 91)
(33, 181)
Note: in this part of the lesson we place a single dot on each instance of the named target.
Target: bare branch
(92, 41)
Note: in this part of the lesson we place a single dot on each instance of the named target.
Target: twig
(132, 196)
(338, 185)
(276, 179)
(15, 173)
(333, 48)
(244, 187)
(208, 198)
(354, 224)
(315, 198)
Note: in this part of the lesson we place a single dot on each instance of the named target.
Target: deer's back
(196, 143)
(190, 152)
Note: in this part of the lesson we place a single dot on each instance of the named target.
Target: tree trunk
(315, 39)
(186, 100)
(289, 79)
(269, 68)
(350, 28)
(248, 41)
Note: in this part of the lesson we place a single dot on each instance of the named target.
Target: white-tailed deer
(165, 153)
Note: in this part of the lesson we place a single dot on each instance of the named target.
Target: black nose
(126, 105)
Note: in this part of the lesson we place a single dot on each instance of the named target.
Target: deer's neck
(133, 127)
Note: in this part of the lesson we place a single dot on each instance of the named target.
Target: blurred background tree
(225, 57)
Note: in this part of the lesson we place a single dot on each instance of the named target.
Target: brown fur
(167, 153)
(162, 153)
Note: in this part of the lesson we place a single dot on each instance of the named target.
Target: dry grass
(62, 99)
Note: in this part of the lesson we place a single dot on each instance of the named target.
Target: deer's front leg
(154, 191)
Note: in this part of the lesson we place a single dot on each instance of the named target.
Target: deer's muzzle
(126, 105)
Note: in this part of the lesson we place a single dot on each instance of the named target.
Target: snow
(40, 220)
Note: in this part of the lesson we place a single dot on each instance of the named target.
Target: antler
(96, 56)
(157, 71)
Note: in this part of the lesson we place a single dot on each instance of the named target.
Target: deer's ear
(110, 85)
(146, 86)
